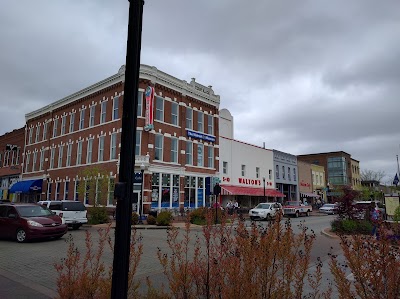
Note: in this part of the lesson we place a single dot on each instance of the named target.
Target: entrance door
(136, 201)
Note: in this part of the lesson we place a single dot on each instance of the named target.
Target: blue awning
(26, 186)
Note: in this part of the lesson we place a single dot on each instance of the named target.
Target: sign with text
(391, 203)
(200, 136)
(149, 109)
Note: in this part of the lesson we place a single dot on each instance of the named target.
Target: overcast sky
(301, 76)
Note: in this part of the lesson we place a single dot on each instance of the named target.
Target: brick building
(11, 148)
(176, 149)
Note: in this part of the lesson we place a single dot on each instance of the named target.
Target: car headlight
(62, 220)
(34, 223)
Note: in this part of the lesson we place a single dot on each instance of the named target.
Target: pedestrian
(375, 218)
(236, 207)
(318, 203)
(229, 207)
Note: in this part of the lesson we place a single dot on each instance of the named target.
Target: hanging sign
(149, 108)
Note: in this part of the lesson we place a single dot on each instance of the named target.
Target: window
(72, 122)
(159, 147)
(288, 174)
(174, 113)
(159, 108)
(294, 174)
(113, 146)
(82, 119)
(17, 156)
(69, 153)
(283, 172)
(103, 112)
(55, 124)
(189, 118)
(115, 108)
(200, 121)
(6, 158)
(91, 116)
(49, 191)
(66, 187)
(41, 159)
(30, 135)
(79, 152)
(60, 155)
(277, 171)
(28, 157)
(12, 157)
(200, 150)
(210, 124)
(225, 167)
(89, 151)
(138, 140)
(317, 179)
(34, 161)
(111, 186)
(270, 174)
(76, 195)
(58, 187)
(189, 152)
(174, 150)
(320, 180)
(63, 124)
(210, 157)
(44, 137)
(37, 134)
(243, 170)
(140, 103)
(52, 155)
(1, 161)
(257, 172)
(101, 149)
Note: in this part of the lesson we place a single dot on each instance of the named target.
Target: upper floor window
(210, 124)
(243, 170)
(101, 149)
(174, 150)
(138, 141)
(30, 135)
(140, 103)
(41, 159)
(55, 124)
(294, 174)
(200, 156)
(63, 124)
(113, 146)
(270, 174)
(72, 122)
(34, 161)
(37, 134)
(60, 155)
(225, 167)
(159, 147)
(210, 157)
(189, 118)
(79, 152)
(92, 115)
(52, 155)
(200, 121)
(115, 114)
(28, 157)
(82, 119)
(159, 108)
(44, 137)
(283, 172)
(69, 153)
(288, 174)
(257, 172)
(103, 112)
(189, 153)
(174, 113)
(89, 151)
(277, 171)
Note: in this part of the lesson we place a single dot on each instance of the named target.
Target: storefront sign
(249, 182)
(226, 179)
(304, 184)
(201, 136)
(149, 108)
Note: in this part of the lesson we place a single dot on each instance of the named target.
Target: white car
(329, 208)
(73, 212)
(266, 211)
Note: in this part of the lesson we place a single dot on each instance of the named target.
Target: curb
(328, 234)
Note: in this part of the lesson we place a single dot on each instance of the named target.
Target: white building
(246, 170)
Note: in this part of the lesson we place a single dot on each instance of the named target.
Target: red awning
(238, 190)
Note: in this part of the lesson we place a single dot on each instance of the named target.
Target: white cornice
(193, 89)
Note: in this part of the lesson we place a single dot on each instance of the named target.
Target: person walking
(375, 218)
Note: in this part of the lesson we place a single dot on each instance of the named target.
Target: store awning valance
(26, 186)
(305, 194)
(238, 190)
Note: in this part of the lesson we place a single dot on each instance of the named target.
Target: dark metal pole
(141, 196)
(264, 189)
(119, 287)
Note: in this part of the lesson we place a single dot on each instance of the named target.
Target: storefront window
(155, 189)
(175, 191)
(200, 193)
(166, 190)
(190, 191)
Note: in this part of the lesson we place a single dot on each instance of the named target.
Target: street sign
(138, 177)
(216, 180)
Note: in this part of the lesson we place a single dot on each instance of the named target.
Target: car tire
(308, 213)
(268, 217)
(76, 226)
(252, 218)
(297, 214)
(20, 236)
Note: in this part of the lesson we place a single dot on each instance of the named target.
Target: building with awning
(27, 190)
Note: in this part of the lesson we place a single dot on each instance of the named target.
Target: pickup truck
(296, 208)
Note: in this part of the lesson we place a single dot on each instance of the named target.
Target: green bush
(151, 220)
(396, 216)
(364, 227)
(98, 215)
(348, 226)
(164, 218)
(198, 216)
(134, 218)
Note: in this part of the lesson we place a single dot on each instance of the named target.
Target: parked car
(24, 222)
(266, 211)
(73, 212)
(363, 207)
(296, 208)
(329, 208)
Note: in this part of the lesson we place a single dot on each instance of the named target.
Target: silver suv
(73, 212)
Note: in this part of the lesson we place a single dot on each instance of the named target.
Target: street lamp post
(141, 195)
(264, 188)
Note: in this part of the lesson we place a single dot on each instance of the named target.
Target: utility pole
(124, 188)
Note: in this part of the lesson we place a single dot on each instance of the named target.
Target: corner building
(177, 148)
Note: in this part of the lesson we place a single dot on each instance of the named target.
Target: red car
(24, 222)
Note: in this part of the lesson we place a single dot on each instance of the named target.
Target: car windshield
(328, 206)
(33, 211)
(263, 206)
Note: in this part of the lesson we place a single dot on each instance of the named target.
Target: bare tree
(371, 175)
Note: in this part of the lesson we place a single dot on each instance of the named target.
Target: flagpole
(398, 168)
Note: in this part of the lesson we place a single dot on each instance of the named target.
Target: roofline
(246, 143)
(314, 154)
(146, 72)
